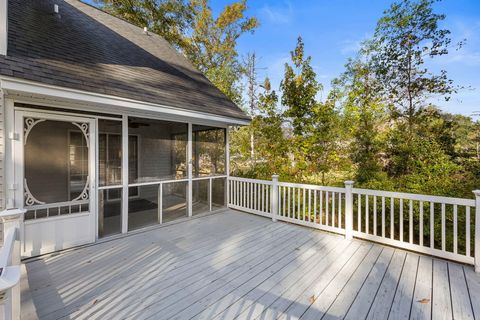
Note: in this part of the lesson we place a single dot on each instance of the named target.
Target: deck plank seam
(364, 281)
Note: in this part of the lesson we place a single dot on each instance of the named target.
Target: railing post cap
(275, 176)
(11, 214)
(349, 182)
(476, 193)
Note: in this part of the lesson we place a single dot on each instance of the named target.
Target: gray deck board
(234, 265)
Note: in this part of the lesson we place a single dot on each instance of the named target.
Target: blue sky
(333, 29)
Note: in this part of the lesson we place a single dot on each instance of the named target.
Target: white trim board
(29, 91)
(3, 26)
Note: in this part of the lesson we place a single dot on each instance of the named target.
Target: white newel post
(10, 260)
(477, 230)
(274, 204)
(348, 210)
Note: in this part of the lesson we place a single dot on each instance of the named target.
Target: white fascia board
(19, 86)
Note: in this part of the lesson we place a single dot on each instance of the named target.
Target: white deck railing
(440, 226)
(10, 265)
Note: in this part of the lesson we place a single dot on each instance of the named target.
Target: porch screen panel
(208, 151)
(201, 196)
(110, 177)
(162, 150)
(157, 154)
(56, 167)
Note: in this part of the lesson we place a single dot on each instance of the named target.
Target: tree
(209, 43)
(299, 90)
(212, 44)
(364, 113)
(169, 18)
(252, 88)
(405, 36)
(314, 123)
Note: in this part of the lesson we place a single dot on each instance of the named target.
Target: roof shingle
(87, 49)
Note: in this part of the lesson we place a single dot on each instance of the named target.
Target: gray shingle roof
(87, 49)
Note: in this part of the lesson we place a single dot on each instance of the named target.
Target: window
(77, 163)
(208, 151)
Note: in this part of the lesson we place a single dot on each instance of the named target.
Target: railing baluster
(392, 217)
(455, 231)
(304, 207)
(420, 233)
(299, 205)
(339, 209)
(432, 225)
(401, 219)
(443, 227)
(367, 222)
(467, 232)
(321, 207)
(288, 202)
(374, 215)
(333, 209)
(315, 206)
(326, 208)
(250, 195)
(284, 193)
(294, 203)
(410, 221)
(309, 206)
(383, 217)
(359, 213)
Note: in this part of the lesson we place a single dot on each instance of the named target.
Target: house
(104, 127)
(106, 130)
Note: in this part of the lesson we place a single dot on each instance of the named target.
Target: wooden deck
(234, 265)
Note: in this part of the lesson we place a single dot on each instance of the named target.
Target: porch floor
(236, 265)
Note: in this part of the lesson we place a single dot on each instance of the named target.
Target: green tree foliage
(212, 44)
(169, 18)
(364, 116)
(314, 123)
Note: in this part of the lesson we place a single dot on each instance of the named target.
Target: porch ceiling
(236, 265)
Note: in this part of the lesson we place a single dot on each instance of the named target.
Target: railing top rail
(269, 182)
(414, 196)
(57, 204)
(311, 186)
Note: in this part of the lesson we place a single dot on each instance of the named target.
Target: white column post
(124, 174)
(274, 197)
(348, 210)
(160, 203)
(227, 165)
(477, 230)
(190, 170)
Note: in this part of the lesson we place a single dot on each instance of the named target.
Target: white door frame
(18, 159)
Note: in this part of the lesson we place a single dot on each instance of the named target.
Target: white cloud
(278, 14)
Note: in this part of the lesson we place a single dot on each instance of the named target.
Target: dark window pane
(110, 152)
(109, 212)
